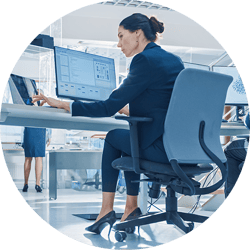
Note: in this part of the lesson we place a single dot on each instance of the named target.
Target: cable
(214, 171)
(198, 199)
(152, 204)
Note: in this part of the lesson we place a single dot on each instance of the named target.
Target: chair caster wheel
(130, 230)
(120, 236)
(191, 226)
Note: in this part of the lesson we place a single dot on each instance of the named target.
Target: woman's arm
(51, 102)
(137, 81)
(139, 78)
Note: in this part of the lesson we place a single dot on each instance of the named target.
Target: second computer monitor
(83, 76)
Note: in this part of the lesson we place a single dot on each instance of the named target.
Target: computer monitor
(236, 94)
(22, 89)
(83, 76)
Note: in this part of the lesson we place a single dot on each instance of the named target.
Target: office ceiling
(99, 22)
(96, 25)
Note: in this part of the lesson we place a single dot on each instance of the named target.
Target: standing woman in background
(34, 143)
(147, 89)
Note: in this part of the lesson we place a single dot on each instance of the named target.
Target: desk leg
(52, 178)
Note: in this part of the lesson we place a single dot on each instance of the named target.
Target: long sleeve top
(147, 89)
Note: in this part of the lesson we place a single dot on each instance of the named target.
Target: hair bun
(157, 27)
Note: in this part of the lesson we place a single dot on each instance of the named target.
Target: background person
(34, 144)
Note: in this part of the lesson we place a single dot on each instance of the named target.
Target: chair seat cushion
(126, 164)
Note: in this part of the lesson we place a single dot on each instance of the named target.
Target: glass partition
(196, 66)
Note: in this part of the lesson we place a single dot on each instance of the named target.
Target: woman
(34, 147)
(147, 89)
(34, 140)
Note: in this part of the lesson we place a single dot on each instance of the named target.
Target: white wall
(27, 67)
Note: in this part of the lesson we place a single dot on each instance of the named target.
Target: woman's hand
(50, 101)
(124, 110)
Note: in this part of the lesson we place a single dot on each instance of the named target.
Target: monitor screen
(236, 94)
(83, 76)
(22, 89)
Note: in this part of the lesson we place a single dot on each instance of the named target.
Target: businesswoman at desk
(147, 89)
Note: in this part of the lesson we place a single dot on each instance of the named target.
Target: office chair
(192, 142)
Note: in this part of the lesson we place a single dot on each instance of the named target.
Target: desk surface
(33, 116)
(45, 117)
(233, 129)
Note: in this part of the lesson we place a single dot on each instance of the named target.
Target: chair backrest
(197, 96)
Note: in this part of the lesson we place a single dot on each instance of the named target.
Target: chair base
(171, 216)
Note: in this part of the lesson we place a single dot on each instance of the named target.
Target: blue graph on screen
(238, 86)
(236, 94)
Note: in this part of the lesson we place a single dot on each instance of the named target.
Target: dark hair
(150, 26)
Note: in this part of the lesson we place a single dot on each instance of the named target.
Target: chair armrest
(132, 120)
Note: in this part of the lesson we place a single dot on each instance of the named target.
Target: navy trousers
(235, 153)
(117, 144)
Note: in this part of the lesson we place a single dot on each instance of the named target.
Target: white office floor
(59, 214)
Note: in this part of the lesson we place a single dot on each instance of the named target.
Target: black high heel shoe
(25, 188)
(134, 215)
(98, 226)
(38, 189)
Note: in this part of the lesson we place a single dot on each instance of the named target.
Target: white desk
(71, 159)
(45, 117)
(233, 129)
